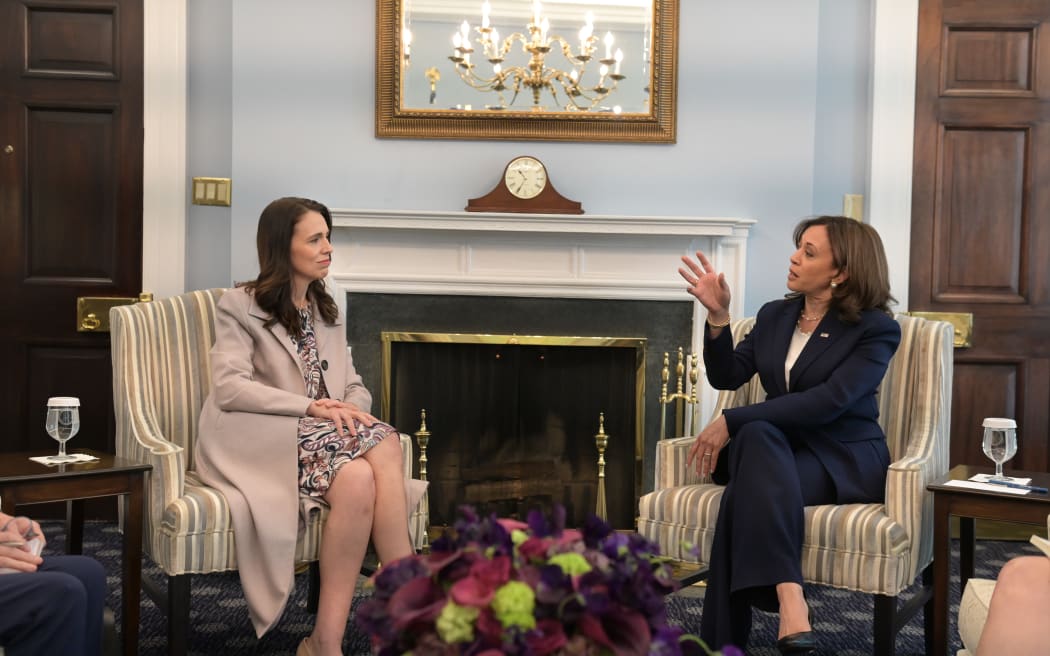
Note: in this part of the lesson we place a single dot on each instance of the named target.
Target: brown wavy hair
(857, 249)
(273, 288)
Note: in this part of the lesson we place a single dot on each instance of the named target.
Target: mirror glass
(601, 70)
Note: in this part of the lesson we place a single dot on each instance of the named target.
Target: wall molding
(164, 148)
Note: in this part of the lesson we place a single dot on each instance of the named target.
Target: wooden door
(981, 210)
(70, 204)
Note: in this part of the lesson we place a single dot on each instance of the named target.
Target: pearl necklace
(802, 317)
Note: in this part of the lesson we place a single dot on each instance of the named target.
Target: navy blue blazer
(830, 406)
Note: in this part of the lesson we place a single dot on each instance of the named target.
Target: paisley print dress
(322, 451)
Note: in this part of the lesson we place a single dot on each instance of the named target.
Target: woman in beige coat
(288, 416)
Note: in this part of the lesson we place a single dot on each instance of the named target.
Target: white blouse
(798, 342)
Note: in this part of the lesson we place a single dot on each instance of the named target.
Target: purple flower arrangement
(499, 586)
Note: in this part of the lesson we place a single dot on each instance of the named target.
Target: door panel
(981, 210)
(73, 41)
(70, 204)
(982, 213)
(982, 389)
(70, 235)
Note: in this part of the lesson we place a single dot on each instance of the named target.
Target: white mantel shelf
(685, 226)
(530, 255)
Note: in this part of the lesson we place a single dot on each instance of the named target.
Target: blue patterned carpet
(220, 625)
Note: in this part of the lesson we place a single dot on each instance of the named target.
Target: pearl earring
(834, 284)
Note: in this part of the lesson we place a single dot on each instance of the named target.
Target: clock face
(525, 177)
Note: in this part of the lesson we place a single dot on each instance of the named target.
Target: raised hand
(708, 286)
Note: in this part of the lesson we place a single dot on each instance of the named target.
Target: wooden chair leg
(885, 625)
(313, 594)
(178, 614)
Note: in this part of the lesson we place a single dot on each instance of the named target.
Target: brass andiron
(679, 396)
(601, 440)
(422, 439)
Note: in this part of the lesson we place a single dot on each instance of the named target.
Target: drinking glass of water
(1000, 442)
(62, 423)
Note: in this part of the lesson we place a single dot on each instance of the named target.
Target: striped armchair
(876, 548)
(161, 376)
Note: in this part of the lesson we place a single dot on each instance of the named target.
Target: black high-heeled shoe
(803, 642)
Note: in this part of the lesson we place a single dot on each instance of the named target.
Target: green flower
(456, 623)
(570, 563)
(517, 536)
(513, 605)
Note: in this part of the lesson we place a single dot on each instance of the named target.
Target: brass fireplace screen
(513, 418)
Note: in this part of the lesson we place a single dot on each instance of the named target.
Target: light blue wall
(209, 142)
(843, 119)
(772, 124)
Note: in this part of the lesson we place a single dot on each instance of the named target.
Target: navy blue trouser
(760, 527)
(54, 610)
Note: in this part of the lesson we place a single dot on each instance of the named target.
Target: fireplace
(512, 419)
(535, 275)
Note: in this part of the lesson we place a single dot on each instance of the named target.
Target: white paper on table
(77, 457)
(981, 478)
(987, 487)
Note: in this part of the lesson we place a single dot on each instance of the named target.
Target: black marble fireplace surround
(545, 420)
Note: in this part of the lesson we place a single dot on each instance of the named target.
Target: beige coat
(247, 443)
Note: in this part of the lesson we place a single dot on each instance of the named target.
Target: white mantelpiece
(575, 256)
(534, 255)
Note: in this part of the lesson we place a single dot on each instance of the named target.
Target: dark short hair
(857, 249)
(273, 241)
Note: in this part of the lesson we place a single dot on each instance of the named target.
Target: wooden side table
(24, 482)
(968, 505)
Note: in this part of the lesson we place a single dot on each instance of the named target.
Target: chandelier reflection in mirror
(577, 73)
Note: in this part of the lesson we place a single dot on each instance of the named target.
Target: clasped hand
(342, 414)
(15, 534)
(707, 445)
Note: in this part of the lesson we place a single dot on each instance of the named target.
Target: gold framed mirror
(556, 70)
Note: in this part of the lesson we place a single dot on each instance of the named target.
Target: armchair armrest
(138, 433)
(671, 470)
(418, 509)
(926, 408)
(907, 501)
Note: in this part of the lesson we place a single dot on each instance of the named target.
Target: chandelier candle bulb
(537, 75)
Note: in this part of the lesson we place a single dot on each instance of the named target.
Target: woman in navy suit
(820, 354)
